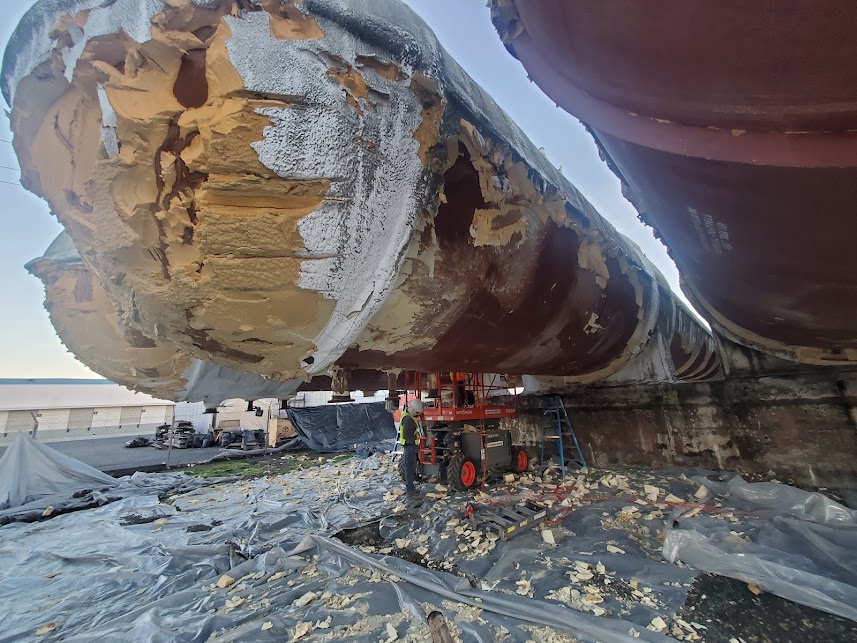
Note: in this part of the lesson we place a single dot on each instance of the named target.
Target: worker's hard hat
(415, 407)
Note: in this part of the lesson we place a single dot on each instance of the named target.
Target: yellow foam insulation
(86, 322)
(187, 234)
(488, 228)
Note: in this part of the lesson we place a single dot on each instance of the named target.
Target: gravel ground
(731, 611)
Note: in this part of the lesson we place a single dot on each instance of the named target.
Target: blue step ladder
(559, 428)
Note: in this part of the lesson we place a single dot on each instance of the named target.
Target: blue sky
(29, 346)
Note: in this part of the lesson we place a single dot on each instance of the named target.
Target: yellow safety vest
(402, 426)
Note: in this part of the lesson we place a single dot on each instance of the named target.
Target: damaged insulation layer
(86, 322)
(280, 188)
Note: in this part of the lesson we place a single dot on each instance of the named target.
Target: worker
(409, 436)
(459, 397)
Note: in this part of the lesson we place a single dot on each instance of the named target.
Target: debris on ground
(225, 581)
(266, 562)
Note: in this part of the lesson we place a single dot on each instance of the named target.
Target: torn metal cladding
(747, 173)
(299, 190)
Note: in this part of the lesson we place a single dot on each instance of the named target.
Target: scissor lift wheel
(520, 459)
(461, 473)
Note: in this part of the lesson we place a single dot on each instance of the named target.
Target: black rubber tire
(402, 467)
(453, 472)
(515, 466)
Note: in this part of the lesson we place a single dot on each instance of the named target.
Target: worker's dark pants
(459, 395)
(409, 453)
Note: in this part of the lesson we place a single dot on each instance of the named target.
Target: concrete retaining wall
(798, 426)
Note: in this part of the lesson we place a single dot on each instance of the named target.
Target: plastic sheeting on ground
(796, 544)
(149, 569)
(31, 471)
(509, 608)
(144, 569)
(339, 427)
(36, 481)
(295, 444)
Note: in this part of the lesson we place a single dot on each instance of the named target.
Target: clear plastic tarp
(796, 544)
(31, 471)
(37, 481)
(336, 553)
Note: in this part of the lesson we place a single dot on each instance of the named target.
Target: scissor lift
(462, 442)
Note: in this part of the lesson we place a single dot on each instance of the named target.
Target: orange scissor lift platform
(475, 407)
(462, 441)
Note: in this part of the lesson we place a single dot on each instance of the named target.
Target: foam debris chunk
(225, 581)
(46, 629)
(305, 600)
(657, 624)
(301, 630)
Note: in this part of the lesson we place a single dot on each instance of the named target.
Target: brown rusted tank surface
(733, 127)
(296, 191)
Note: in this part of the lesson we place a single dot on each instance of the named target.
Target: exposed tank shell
(733, 127)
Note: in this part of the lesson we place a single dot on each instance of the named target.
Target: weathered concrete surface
(800, 426)
(293, 190)
(733, 128)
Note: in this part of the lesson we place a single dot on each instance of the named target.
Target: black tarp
(339, 427)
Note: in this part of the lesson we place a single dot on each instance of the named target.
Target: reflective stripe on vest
(402, 427)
